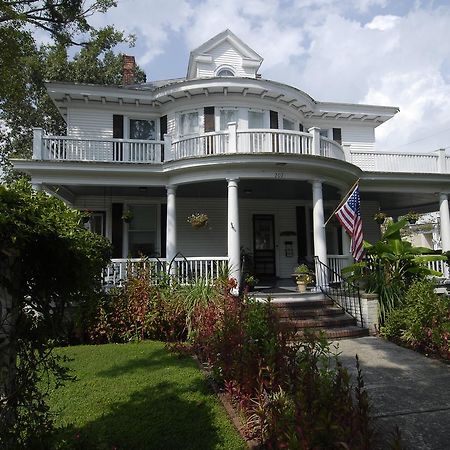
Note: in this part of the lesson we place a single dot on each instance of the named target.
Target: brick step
(306, 313)
(302, 304)
(338, 333)
(343, 320)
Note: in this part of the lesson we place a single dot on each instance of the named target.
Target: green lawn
(139, 396)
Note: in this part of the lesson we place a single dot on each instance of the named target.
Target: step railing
(343, 293)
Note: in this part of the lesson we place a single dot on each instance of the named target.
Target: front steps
(315, 312)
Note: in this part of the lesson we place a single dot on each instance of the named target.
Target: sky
(382, 52)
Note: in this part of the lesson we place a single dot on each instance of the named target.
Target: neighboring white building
(266, 162)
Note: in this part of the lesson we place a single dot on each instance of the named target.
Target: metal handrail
(336, 287)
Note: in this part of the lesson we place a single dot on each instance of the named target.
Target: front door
(264, 245)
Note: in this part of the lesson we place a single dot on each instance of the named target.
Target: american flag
(349, 214)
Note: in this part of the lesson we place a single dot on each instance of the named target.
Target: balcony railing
(64, 148)
(231, 141)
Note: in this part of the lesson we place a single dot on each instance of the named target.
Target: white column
(234, 245)
(171, 234)
(445, 221)
(320, 243)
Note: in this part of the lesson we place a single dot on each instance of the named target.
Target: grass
(138, 396)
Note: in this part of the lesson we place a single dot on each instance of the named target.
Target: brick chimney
(128, 70)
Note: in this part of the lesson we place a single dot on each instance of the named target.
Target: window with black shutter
(118, 134)
(209, 119)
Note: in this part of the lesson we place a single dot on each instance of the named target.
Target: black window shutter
(209, 119)
(162, 132)
(117, 229)
(117, 126)
(300, 127)
(301, 233)
(337, 135)
(273, 120)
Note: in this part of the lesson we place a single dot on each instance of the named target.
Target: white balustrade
(202, 145)
(274, 141)
(188, 270)
(64, 148)
(338, 262)
(395, 162)
(331, 149)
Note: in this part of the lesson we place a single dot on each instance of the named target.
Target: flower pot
(200, 224)
(301, 286)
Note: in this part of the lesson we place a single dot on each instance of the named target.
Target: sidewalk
(405, 388)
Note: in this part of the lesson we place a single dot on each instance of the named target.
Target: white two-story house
(264, 161)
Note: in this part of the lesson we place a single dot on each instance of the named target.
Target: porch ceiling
(257, 189)
(397, 203)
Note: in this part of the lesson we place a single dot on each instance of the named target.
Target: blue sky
(387, 52)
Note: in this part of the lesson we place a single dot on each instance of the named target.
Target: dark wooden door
(264, 245)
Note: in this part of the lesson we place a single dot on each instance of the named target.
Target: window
(225, 73)
(288, 124)
(142, 129)
(227, 116)
(189, 123)
(142, 236)
(96, 223)
(255, 119)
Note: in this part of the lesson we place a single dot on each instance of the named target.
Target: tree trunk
(9, 312)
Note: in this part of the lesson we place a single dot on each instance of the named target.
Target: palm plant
(390, 266)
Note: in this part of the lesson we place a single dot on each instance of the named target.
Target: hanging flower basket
(379, 217)
(127, 216)
(198, 220)
(411, 217)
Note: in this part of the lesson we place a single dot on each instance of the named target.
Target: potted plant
(303, 277)
(411, 217)
(198, 220)
(250, 282)
(86, 215)
(379, 217)
(127, 216)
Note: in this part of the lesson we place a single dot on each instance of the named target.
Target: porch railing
(64, 148)
(187, 270)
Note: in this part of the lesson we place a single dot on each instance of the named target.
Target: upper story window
(255, 119)
(288, 124)
(142, 129)
(189, 123)
(227, 116)
(225, 72)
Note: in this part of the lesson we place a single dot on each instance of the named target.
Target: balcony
(231, 141)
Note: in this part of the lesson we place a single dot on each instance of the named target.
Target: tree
(63, 19)
(47, 261)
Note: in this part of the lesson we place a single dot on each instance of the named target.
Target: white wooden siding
(359, 138)
(89, 123)
(224, 55)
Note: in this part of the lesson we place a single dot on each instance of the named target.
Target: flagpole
(342, 201)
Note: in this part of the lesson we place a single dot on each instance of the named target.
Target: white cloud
(374, 51)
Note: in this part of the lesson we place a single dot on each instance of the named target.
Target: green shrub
(422, 321)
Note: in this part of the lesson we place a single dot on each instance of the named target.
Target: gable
(223, 51)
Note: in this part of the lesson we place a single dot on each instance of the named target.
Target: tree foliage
(63, 19)
(48, 261)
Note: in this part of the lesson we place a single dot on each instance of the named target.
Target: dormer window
(225, 73)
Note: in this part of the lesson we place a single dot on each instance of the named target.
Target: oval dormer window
(225, 73)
